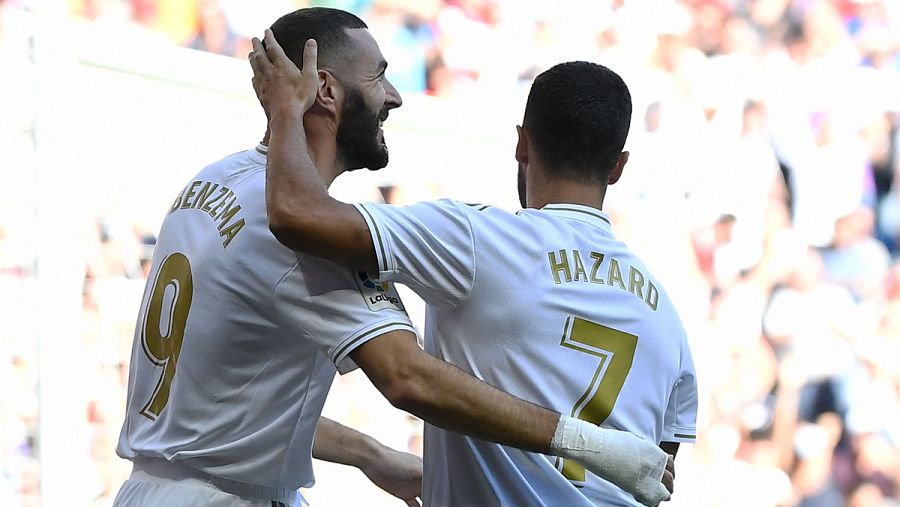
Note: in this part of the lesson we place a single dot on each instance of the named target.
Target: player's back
(217, 379)
(560, 313)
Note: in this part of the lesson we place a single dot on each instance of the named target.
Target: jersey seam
(474, 257)
(379, 238)
(278, 286)
(281, 469)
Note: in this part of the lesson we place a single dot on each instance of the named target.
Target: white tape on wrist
(621, 458)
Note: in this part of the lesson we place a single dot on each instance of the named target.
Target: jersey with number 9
(238, 337)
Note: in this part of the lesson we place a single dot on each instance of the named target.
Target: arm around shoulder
(450, 398)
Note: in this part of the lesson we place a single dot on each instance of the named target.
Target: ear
(521, 146)
(618, 168)
(331, 92)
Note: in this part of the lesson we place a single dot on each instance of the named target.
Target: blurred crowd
(763, 188)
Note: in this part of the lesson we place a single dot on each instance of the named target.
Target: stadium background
(762, 189)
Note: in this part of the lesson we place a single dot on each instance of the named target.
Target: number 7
(611, 346)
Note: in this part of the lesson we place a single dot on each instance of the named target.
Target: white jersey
(238, 337)
(548, 306)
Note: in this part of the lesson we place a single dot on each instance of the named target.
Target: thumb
(311, 56)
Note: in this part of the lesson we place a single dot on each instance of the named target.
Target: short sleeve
(338, 309)
(681, 414)
(427, 246)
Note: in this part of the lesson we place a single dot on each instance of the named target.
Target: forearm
(445, 396)
(452, 399)
(295, 192)
(301, 214)
(337, 443)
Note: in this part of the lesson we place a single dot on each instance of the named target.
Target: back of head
(327, 26)
(577, 116)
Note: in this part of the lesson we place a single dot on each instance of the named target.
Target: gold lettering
(652, 296)
(615, 274)
(215, 211)
(228, 212)
(177, 202)
(636, 282)
(204, 194)
(207, 204)
(563, 266)
(190, 193)
(231, 231)
(598, 259)
(579, 266)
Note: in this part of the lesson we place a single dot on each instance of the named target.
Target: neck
(322, 151)
(543, 190)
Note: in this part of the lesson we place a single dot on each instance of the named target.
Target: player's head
(576, 121)
(350, 57)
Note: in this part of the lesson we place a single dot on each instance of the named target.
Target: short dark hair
(327, 26)
(577, 116)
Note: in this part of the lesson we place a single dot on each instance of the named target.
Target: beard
(521, 186)
(359, 145)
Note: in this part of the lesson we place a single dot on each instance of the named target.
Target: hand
(668, 478)
(278, 83)
(398, 473)
(636, 465)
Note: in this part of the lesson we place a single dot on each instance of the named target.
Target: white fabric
(166, 493)
(264, 332)
(156, 482)
(498, 309)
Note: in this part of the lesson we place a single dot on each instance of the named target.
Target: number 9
(163, 350)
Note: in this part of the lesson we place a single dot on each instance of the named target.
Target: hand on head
(279, 85)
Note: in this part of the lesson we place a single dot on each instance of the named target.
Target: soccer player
(545, 303)
(238, 337)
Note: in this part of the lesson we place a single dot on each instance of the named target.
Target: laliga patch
(378, 295)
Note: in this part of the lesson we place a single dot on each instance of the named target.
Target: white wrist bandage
(621, 458)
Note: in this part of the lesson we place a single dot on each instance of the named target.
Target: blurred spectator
(214, 33)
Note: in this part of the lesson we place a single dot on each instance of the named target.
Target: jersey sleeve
(427, 246)
(680, 423)
(338, 309)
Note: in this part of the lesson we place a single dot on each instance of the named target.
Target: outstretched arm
(398, 473)
(448, 397)
(302, 215)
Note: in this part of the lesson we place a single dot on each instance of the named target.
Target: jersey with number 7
(548, 306)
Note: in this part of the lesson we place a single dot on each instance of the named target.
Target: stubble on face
(359, 143)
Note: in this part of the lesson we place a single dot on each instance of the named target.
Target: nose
(392, 98)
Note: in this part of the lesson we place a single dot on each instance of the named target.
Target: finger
(311, 56)
(259, 59)
(274, 50)
(668, 481)
(670, 465)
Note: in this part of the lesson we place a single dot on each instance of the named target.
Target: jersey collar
(259, 153)
(585, 214)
